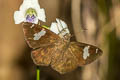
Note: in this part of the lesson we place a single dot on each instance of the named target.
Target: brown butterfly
(56, 49)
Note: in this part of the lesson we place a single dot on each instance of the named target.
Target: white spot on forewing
(96, 50)
(37, 36)
(86, 52)
(32, 26)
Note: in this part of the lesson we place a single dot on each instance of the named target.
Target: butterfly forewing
(74, 54)
(84, 53)
(35, 38)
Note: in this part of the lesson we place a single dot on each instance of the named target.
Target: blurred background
(96, 22)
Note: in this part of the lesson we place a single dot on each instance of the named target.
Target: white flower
(59, 27)
(30, 11)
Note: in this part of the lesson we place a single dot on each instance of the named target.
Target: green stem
(38, 73)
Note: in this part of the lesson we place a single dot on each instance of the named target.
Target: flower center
(30, 15)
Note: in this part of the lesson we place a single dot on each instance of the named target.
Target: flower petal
(36, 21)
(41, 14)
(62, 23)
(54, 28)
(59, 27)
(29, 4)
(18, 17)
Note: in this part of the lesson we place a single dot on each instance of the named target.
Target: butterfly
(52, 47)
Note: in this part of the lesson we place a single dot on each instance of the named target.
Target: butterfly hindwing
(42, 56)
(37, 36)
(62, 59)
(66, 62)
(56, 55)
